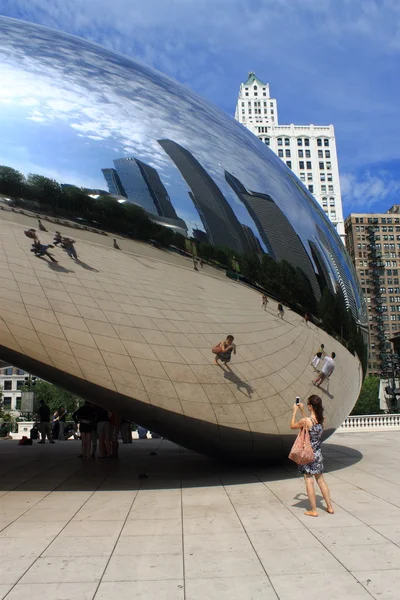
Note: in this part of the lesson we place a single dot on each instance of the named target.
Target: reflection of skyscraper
(218, 218)
(275, 230)
(134, 184)
(157, 190)
(113, 182)
(200, 236)
(252, 240)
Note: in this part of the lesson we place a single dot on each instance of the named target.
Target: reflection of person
(62, 417)
(327, 369)
(306, 319)
(227, 347)
(68, 245)
(281, 312)
(126, 431)
(55, 425)
(115, 244)
(5, 432)
(318, 355)
(41, 250)
(264, 301)
(57, 238)
(314, 469)
(41, 226)
(103, 432)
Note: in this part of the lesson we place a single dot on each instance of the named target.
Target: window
(18, 403)
(279, 141)
(323, 188)
(320, 154)
(264, 94)
(332, 203)
(20, 372)
(326, 142)
(309, 176)
(321, 166)
(324, 201)
(287, 153)
(266, 141)
(319, 142)
(280, 153)
(330, 188)
(311, 188)
(308, 154)
(302, 176)
(330, 179)
(287, 141)
(328, 165)
(7, 402)
(300, 153)
(309, 164)
(327, 153)
(8, 371)
(7, 385)
(301, 164)
(20, 384)
(299, 142)
(246, 93)
(322, 178)
(289, 163)
(306, 142)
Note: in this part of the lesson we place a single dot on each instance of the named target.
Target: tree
(12, 182)
(45, 191)
(368, 400)
(55, 397)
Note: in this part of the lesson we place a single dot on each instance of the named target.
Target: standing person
(44, 418)
(327, 369)
(313, 469)
(318, 356)
(115, 422)
(57, 238)
(225, 349)
(281, 312)
(103, 432)
(62, 417)
(55, 425)
(126, 431)
(85, 416)
(306, 319)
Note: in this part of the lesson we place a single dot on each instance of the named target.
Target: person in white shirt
(327, 369)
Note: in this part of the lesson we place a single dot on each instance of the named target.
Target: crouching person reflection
(314, 422)
(223, 351)
(85, 416)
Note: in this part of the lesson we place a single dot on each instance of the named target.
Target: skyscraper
(373, 242)
(134, 183)
(217, 216)
(157, 190)
(309, 150)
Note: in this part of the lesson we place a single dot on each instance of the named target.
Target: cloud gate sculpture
(103, 148)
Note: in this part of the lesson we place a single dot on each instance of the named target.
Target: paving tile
(218, 524)
(382, 585)
(371, 556)
(222, 542)
(223, 564)
(144, 567)
(66, 570)
(291, 560)
(80, 546)
(11, 568)
(230, 588)
(4, 589)
(152, 527)
(53, 591)
(142, 590)
(93, 528)
(349, 536)
(329, 586)
(148, 544)
(23, 529)
(23, 547)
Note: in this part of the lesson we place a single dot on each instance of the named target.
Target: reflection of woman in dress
(318, 356)
(226, 349)
(313, 469)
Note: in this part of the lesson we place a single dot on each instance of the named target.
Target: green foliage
(46, 191)
(368, 400)
(55, 397)
(12, 182)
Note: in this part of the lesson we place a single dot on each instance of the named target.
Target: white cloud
(364, 191)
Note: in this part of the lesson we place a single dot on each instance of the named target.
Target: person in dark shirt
(85, 416)
(44, 417)
(103, 432)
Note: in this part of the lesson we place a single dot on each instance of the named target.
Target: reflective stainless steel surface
(85, 116)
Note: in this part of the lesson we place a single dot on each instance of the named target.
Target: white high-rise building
(308, 150)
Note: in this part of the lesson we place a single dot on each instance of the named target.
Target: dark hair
(322, 346)
(333, 355)
(316, 403)
(230, 337)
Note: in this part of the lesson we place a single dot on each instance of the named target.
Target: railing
(370, 422)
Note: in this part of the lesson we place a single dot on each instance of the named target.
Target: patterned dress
(317, 466)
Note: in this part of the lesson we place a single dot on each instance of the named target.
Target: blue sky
(327, 61)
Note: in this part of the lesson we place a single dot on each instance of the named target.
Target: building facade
(12, 380)
(373, 242)
(308, 150)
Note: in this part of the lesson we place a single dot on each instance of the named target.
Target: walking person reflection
(281, 312)
(223, 351)
(327, 369)
(314, 422)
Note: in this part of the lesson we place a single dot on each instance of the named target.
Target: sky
(327, 62)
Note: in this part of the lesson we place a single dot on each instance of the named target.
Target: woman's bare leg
(325, 493)
(309, 479)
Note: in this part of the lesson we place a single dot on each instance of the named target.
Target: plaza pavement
(197, 529)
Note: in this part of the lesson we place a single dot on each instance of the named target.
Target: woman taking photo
(314, 422)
